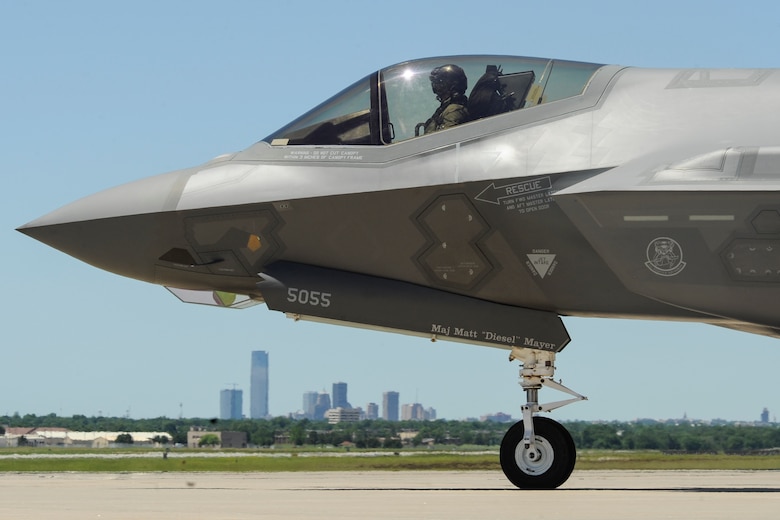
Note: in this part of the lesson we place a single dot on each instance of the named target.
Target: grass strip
(587, 460)
(638, 460)
(444, 462)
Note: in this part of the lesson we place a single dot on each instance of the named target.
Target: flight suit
(451, 112)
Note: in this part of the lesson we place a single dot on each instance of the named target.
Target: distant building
(233, 439)
(765, 416)
(390, 406)
(414, 412)
(340, 396)
(231, 404)
(322, 406)
(309, 404)
(63, 437)
(226, 439)
(258, 386)
(339, 415)
(499, 417)
(372, 411)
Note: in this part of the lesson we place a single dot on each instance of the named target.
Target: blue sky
(95, 94)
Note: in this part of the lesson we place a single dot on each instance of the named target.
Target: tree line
(649, 435)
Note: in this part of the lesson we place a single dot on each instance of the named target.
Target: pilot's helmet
(448, 80)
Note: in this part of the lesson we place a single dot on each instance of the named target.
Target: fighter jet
(477, 199)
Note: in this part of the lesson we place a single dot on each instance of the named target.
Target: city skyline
(315, 406)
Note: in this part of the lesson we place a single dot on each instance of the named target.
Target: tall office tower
(231, 404)
(372, 411)
(258, 387)
(309, 404)
(765, 416)
(390, 406)
(322, 406)
(340, 396)
(413, 412)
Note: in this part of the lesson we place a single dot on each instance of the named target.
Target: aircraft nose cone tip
(63, 237)
(123, 230)
(30, 229)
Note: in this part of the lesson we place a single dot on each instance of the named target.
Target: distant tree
(481, 439)
(646, 439)
(178, 432)
(124, 438)
(263, 435)
(298, 432)
(2, 430)
(392, 443)
(600, 437)
(210, 439)
(160, 439)
(735, 444)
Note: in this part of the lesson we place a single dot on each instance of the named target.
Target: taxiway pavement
(409, 495)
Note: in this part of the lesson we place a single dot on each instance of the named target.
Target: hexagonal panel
(767, 222)
(453, 228)
(753, 259)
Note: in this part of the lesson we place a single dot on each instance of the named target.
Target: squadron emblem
(665, 257)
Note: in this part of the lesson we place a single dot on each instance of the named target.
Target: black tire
(553, 463)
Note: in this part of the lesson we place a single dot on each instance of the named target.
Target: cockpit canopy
(392, 105)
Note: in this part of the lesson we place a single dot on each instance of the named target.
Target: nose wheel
(537, 452)
(546, 464)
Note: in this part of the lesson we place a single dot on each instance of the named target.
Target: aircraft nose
(122, 229)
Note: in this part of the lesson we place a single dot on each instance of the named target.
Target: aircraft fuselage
(652, 194)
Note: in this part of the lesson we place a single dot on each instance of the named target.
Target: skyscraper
(372, 411)
(416, 412)
(231, 404)
(258, 388)
(309, 404)
(323, 405)
(340, 396)
(390, 406)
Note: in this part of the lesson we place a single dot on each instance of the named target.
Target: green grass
(181, 462)
(189, 461)
(597, 459)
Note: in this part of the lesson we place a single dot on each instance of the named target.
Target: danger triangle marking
(541, 263)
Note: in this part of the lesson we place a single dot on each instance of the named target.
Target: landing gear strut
(538, 453)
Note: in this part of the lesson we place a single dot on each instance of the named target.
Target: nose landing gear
(538, 453)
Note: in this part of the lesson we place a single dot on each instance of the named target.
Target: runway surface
(404, 495)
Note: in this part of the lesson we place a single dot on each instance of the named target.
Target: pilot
(449, 84)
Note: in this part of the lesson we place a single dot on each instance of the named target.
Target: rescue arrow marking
(493, 194)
